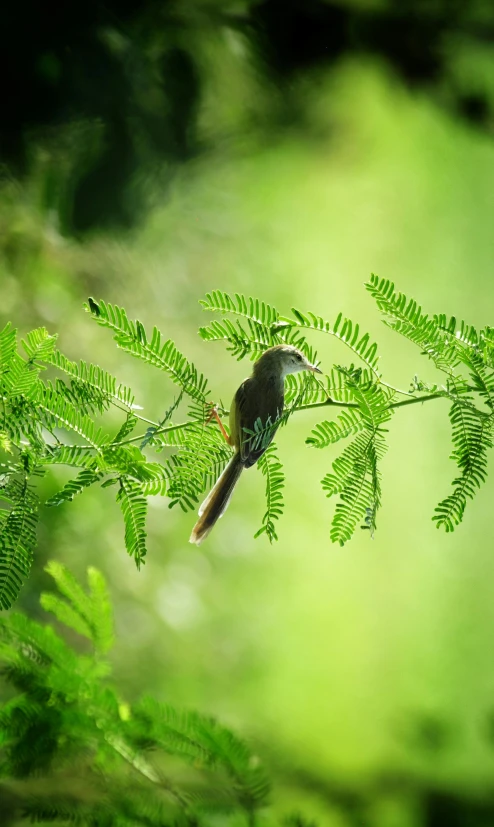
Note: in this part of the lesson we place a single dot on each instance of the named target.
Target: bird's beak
(314, 369)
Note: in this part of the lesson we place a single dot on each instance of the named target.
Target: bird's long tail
(215, 504)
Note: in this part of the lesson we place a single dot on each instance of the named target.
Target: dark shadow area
(133, 72)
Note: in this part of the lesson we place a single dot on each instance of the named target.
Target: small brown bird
(255, 411)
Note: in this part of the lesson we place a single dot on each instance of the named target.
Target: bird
(254, 417)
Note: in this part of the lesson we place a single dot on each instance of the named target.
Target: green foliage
(451, 346)
(344, 329)
(37, 414)
(472, 436)
(84, 479)
(102, 760)
(436, 340)
(134, 507)
(328, 432)
(201, 455)
(86, 377)
(17, 535)
(272, 469)
(356, 475)
(89, 614)
(131, 336)
(251, 309)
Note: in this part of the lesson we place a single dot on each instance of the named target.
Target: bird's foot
(215, 415)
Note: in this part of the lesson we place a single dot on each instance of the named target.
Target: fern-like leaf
(252, 309)
(102, 625)
(482, 375)
(332, 386)
(328, 432)
(5, 443)
(76, 456)
(486, 346)
(65, 613)
(346, 331)
(356, 476)
(58, 412)
(83, 480)
(126, 428)
(272, 469)
(406, 317)
(129, 461)
(131, 336)
(472, 437)
(250, 339)
(7, 346)
(463, 332)
(151, 432)
(260, 329)
(88, 614)
(134, 508)
(20, 378)
(202, 455)
(203, 741)
(89, 377)
(70, 588)
(17, 538)
(39, 345)
(355, 479)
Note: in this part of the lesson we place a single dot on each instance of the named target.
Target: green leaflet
(17, 537)
(356, 474)
(260, 329)
(91, 377)
(252, 309)
(272, 469)
(328, 432)
(134, 508)
(344, 329)
(131, 336)
(20, 378)
(83, 480)
(405, 316)
(8, 341)
(472, 437)
(201, 457)
(77, 456)
(450, 345)
(39, 345)
(250, 339)
(56, 411)
(202, 740)
(88, 613)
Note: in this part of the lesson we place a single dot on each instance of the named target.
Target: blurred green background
(289, 176)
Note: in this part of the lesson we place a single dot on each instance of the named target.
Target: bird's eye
(299, 357)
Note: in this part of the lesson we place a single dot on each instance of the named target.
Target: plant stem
(412, 401)
(329, 402)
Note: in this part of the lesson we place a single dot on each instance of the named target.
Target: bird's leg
(214, 413)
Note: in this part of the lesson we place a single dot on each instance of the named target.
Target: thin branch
(396, 390)
(137, 416)
(331, 402)
(164, 430)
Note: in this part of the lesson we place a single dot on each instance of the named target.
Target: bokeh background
(154, 151)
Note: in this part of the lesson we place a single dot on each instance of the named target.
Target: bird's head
(282, 360)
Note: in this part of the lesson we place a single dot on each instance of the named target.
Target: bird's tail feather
(215, 504)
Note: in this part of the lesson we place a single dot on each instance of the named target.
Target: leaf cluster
(50, 415)
(104, 761)
(52, 412)
(465, 355)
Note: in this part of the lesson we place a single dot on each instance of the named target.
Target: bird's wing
(256, 409)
